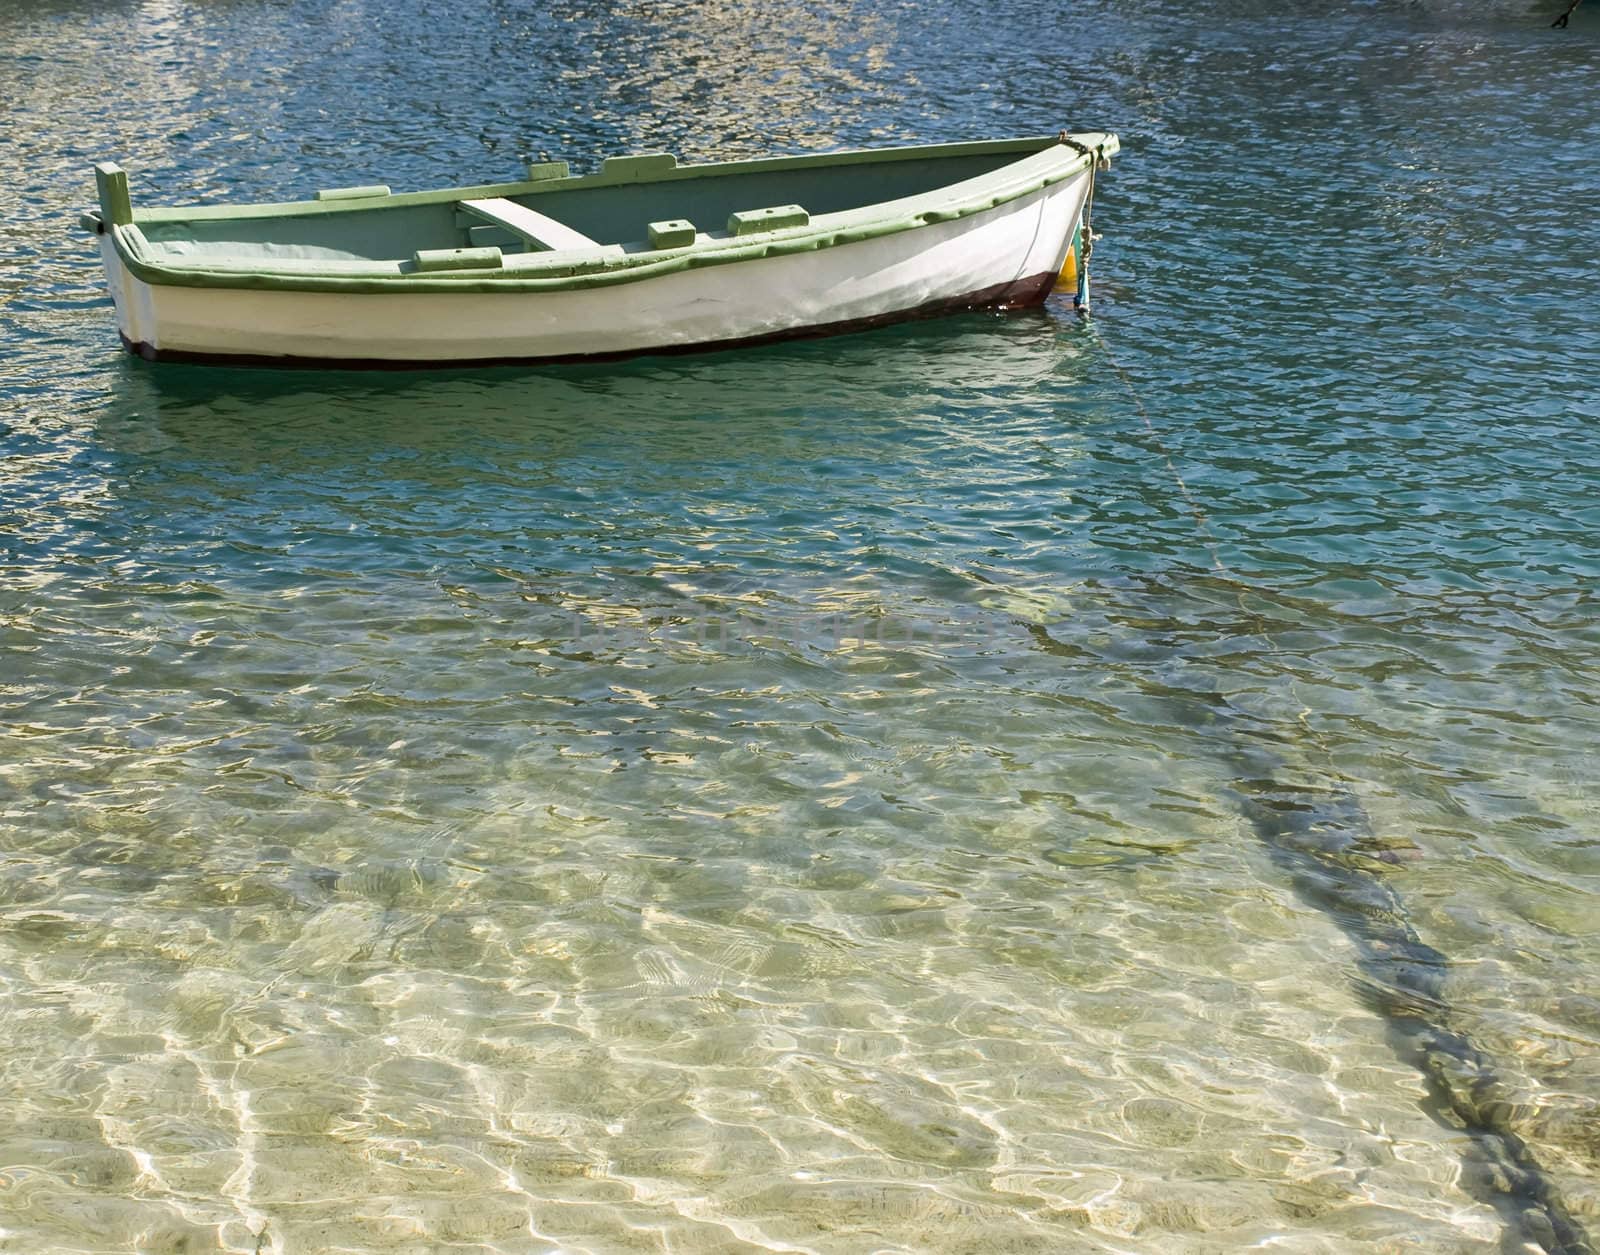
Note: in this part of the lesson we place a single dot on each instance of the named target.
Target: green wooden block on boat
(458, 259)
(116, 208)
(354, 193)
(673, 233)
(773, 218)
(638, 165)
(538, 171)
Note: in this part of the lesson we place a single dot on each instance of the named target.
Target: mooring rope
(1404, 975)
(1201, 522)
(1086, 235)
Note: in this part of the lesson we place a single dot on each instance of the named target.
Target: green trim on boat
(758, 165)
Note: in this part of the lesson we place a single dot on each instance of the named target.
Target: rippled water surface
(984, 786)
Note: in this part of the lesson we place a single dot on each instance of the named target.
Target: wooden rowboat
(642, 256)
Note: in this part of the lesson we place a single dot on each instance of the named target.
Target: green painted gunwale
(1044, 161)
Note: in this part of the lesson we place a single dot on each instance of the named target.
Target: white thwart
(539, 230)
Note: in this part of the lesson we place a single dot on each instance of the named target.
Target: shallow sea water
(799, 799)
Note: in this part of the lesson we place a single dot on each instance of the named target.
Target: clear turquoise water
(792, 799)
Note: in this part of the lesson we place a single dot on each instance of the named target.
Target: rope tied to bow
(1087, 237)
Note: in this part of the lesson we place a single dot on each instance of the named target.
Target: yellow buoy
(1069, 268)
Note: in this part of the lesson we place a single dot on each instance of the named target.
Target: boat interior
(633, 204)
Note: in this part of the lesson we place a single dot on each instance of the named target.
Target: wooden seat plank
(538, 230)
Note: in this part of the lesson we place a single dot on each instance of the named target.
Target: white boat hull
(1005, 256)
